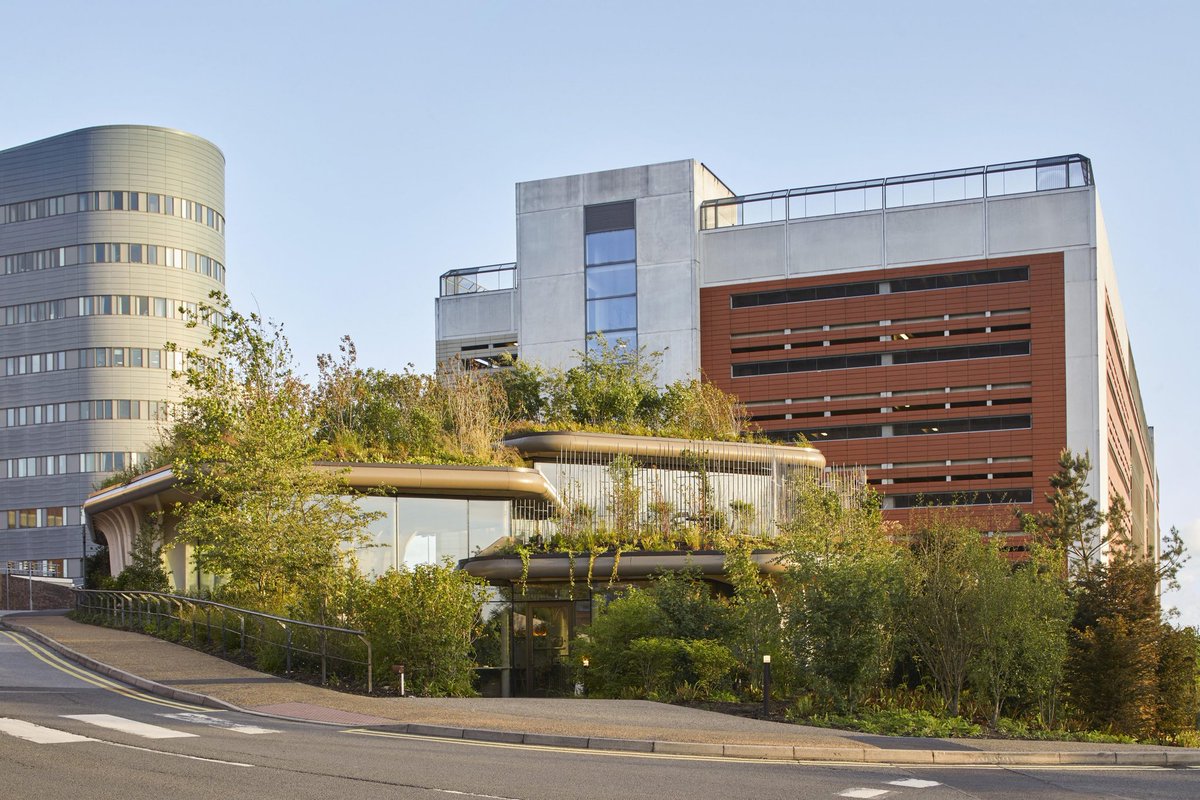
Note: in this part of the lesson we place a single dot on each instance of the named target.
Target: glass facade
(424, 530)
(610, 274)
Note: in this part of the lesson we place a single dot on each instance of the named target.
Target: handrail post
(242, 632)
(288, 631)
(324, 671)
(370, 665)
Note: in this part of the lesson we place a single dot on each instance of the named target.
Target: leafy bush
(896, 722)
(425, 618)
(661, 641)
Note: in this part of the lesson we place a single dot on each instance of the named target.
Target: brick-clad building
(952, 331)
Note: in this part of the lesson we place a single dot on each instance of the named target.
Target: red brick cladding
(1043, 370)
(1130, 467)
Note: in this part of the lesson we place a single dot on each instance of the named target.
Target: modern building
(108, 236)
(682, 494)
(951, 332)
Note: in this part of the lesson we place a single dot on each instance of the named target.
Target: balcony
(471, 280)
(996, 180)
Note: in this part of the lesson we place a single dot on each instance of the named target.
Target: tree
(1076, 525)
(425, 618)
(942, 601)
(1021, 616)
(278, 531)
(145, 571)
(841, 574)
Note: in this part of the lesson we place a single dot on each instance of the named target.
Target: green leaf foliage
(276, 531)
(425, 618)
(842, 573)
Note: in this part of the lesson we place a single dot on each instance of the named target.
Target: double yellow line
(52, 659)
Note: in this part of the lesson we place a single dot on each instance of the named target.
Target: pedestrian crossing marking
(37, 734)
(914, 783)
(863, 793)
(142, 729)
(217, 722)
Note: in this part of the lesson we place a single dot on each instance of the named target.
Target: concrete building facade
(109, 238)
(951, 332)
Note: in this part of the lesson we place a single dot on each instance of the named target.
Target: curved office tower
(106, 235)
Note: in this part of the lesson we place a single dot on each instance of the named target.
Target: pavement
(187, 675)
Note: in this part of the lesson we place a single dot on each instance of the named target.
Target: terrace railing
(478, 279)
(271, 642)
(1043, 174)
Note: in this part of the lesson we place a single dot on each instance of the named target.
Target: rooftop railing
(1017, 177)
(470, 280)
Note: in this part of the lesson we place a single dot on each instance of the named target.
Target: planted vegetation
(934, 628)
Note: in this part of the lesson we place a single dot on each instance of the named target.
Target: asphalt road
(68, 733)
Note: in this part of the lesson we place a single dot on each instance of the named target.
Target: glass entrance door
(541, 645)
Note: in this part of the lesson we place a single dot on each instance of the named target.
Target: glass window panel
(1052, 177)
(488, 523)
(1076, 174)
(620, 340)
(616, 279)
(609, 315)
(378, 554)
(611, 246)
(433, 529)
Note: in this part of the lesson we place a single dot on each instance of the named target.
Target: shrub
(425, 618)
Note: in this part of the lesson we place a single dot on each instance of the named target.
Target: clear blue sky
(372, 146)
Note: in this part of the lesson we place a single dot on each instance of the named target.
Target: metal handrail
(1059, 172)
(140, 608)
(471, 280)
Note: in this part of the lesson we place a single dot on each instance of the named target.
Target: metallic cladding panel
(120, 158)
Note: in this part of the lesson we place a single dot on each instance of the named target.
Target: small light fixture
(587, 662)
(766, 659)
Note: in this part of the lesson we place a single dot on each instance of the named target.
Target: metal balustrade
(471, 280)
(995, 180)
(269, 640)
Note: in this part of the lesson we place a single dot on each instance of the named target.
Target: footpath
(173, 671)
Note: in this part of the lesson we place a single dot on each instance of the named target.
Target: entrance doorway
(542, 632)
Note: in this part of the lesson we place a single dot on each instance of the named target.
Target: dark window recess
(938, 334)
(961, 498)
(971, 425)
(952, 280)
(609, 217)
(982, 476)
(923, 428)
(849, 412)
(854, 360)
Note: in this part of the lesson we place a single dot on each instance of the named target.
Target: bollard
(766, 687)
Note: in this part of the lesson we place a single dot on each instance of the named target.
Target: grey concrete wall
(113, 158)
(550, 261)
(479, 314)
(943, 232)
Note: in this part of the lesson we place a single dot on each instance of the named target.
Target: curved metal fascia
(514, 482)
(553, 443)
(558, 566)
(147, 485)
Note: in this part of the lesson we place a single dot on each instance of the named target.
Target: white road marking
(217, 722)
(129, 726)
(914, 783)
(863, 793)
(37, 734)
